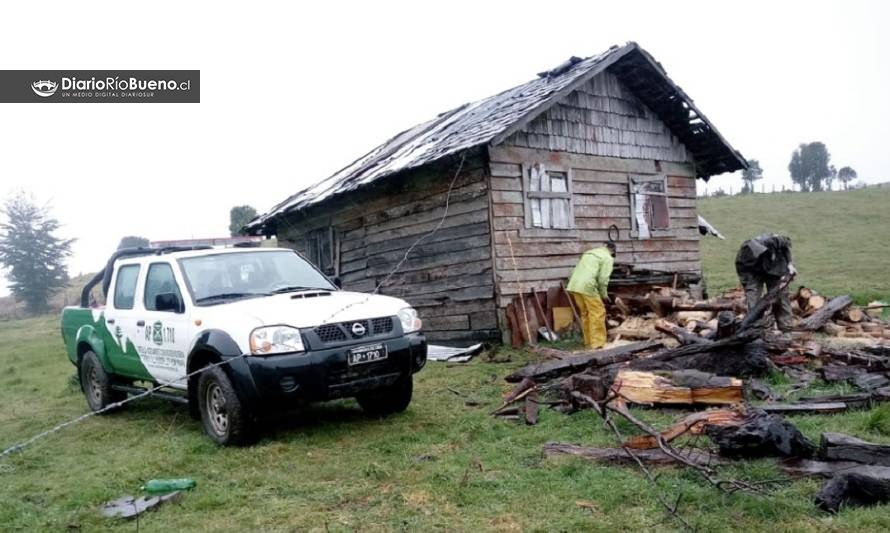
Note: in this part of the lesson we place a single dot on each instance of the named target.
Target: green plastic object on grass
(154, 486)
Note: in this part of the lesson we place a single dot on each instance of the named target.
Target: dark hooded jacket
(765, 254)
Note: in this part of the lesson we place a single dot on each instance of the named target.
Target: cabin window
(649, 208)
(547, 197)
(125, 286)
(321, 250)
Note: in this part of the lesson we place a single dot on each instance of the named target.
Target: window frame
(637, 179)
(530, 230)
(145, 287)
(117, 275)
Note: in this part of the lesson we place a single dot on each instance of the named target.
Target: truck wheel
(224, 418)
(388, 400)
(96, 384)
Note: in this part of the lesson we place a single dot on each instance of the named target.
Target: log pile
(669, 349)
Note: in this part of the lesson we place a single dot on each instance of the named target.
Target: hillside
(840, 239)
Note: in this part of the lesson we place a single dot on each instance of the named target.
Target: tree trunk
(840, 447)
(823, 315)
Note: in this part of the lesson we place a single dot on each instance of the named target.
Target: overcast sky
(292, 92)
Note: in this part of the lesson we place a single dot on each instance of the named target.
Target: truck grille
(342, 332)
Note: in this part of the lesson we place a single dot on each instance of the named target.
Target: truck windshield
(217, 278)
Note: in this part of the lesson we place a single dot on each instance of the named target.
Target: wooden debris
(853, 489)
(621, 456)
(824, 314)
(830, 328)
(592, 386)
(575, 362)
(761, 434)
(872, 381)
(682, 387)
(852, 401)
(681, 334)
(840, 447)
(693, 424)
(805, 408)
(531, 408)
(834, 373)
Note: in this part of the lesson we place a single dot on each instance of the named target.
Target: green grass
(840, 239)
(442, 465)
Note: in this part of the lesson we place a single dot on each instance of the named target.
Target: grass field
(442, 465)
(840, 239)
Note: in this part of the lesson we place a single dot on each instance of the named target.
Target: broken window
(649, 209)
(547, 197)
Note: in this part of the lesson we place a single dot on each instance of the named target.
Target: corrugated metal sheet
(487, 120)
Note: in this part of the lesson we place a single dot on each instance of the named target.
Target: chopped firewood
(875, 308)
(531, 408)
(815, 303)
(620, 456)
(831, 328)
(575, 362)
(854, 489)
(824, 314)
(761, 434)
(520, 391)
(853, 314)
(688, 316)
(681, 387)
(805, 408)
(693, 424)
(635, 327)
(840, 447)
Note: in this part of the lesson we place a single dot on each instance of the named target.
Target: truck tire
(96, 384)
(388, 400)
(225, 419)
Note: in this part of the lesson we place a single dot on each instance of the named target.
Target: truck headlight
(270, 340)
(410, 321)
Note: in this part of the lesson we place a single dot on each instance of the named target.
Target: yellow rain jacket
(591, 274)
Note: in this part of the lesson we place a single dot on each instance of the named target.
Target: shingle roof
(492, 119)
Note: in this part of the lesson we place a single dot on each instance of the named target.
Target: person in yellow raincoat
(588, 285)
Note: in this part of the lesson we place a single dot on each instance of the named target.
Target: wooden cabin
(597, 148)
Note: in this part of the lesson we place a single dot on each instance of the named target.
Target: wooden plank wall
(601, 198)
(601, 118)
(448, 277)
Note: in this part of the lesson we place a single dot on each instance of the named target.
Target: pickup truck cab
(270, 330)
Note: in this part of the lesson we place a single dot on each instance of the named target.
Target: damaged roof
(493, 119)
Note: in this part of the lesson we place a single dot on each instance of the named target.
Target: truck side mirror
(169, 301)
(338, 282)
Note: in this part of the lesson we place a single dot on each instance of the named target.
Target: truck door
(165, 327)
(120, 319)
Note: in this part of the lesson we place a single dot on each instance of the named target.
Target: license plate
(366, 354)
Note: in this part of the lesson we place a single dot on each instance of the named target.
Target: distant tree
(33, 254)
(832, 175)
(131, 241)
(750, 175)
(846, 175)
(809, 166)
(238, 217)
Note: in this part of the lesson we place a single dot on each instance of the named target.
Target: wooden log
(871, 381)
(853, 489)
(575, 362)
(853, 314)
(682, 387)
(815, 303)
(693, 424)
(515, 328)
(823, 315)
(808, 467)
(830, 328)
(805, 408)
(860, 400)
(834, 373)
(840, 447)
(592, 386)
(681, 334)
(620, 456)
(531, 408)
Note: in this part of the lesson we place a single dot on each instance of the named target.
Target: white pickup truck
(285, 333)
